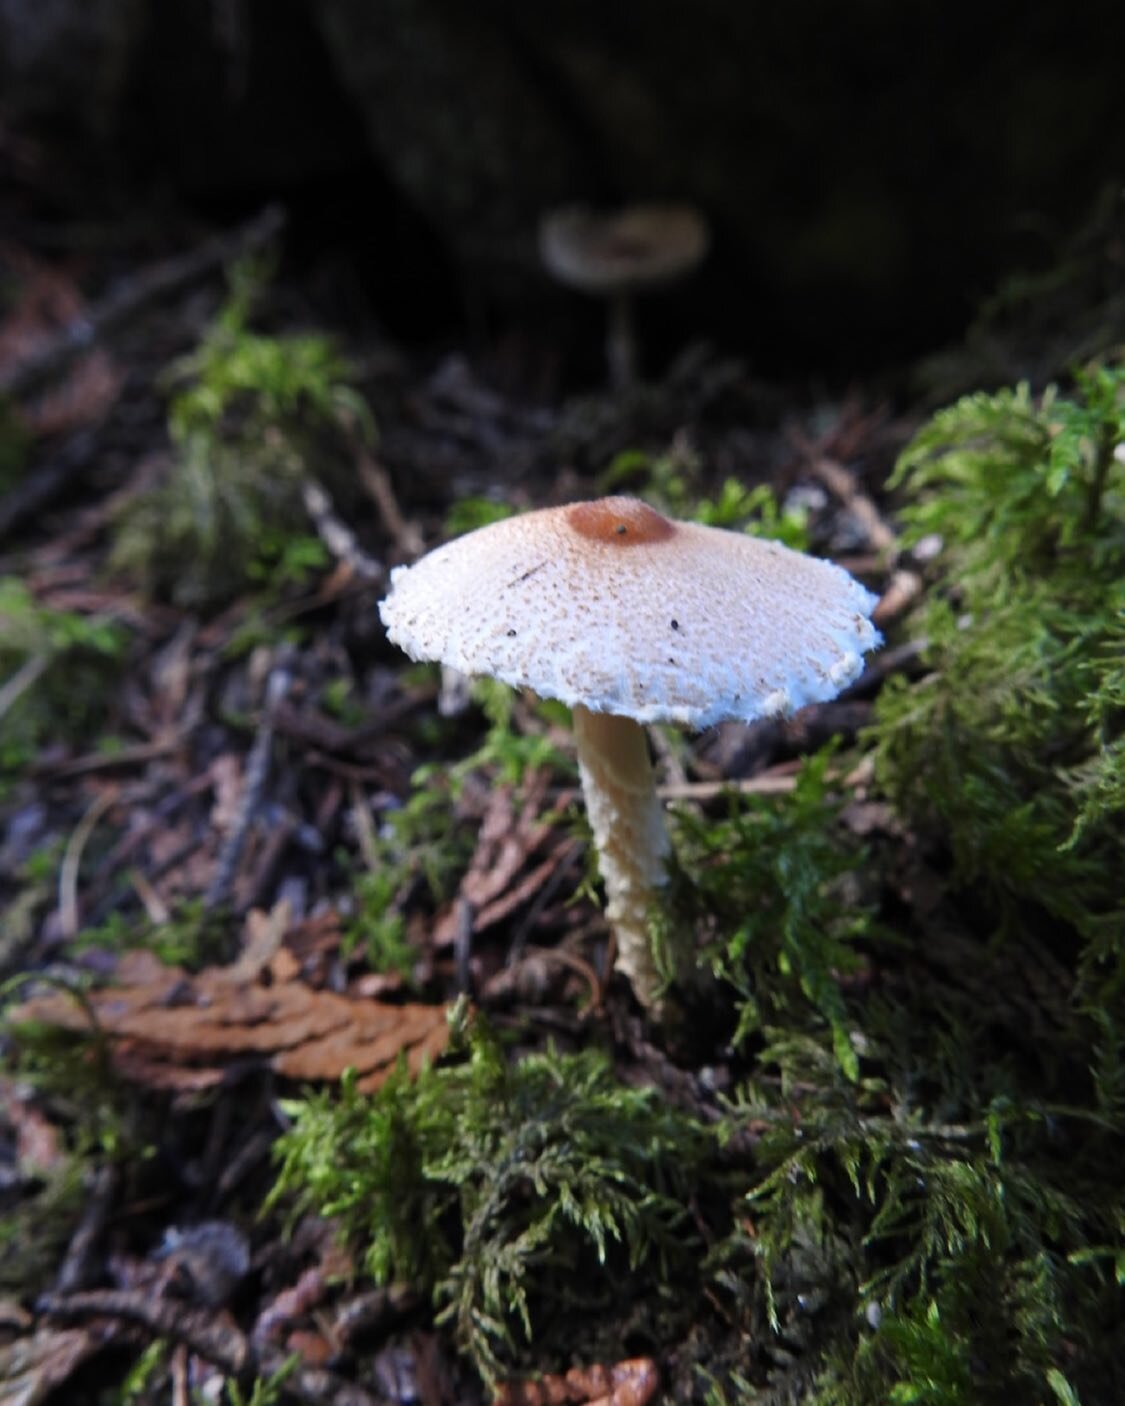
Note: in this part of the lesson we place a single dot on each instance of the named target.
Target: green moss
(420, 846)
(671, 481)
(980, 1253)
(189, 937)
(96, 1122)
(959, 1181)
(34, 1237)
(507, 750)
(57, 665)
(467, 514)
(250, 417)
(1014, 741)
(530, 1197)
(767, 887)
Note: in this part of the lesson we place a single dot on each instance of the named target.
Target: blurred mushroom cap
(614, 251)
(611, 605)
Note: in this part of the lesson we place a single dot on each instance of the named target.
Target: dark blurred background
(870, 171)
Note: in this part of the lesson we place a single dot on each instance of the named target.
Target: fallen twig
(216, 1339)
(377, 483)
(822, 464)
(880, 667)
(336, 535)
(903, 589)
(769, 784)
(77, 1268)
(69, 917)
(257, 772)
(26, 676)
(842, 483)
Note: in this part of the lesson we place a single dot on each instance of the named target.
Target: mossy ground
(927, 1215)
(875, 1158)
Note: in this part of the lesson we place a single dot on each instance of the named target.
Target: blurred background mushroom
(618, 254)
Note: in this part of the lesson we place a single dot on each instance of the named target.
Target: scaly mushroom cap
(612, 252)
(613, 606)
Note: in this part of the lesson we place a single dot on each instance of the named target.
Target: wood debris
(32, 1367)
(172, 1030)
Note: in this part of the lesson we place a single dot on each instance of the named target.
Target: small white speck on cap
(613, 606)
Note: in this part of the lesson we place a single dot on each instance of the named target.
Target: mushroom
(617, 254)
(631, 618)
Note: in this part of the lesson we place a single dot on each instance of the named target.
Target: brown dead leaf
(291, 1303)
(48, 300)
(312, 1348)
(32, 1367)
(172, 1030)
(507, 840)
(85, 395)
(38, 1144)
(630, 1383)
(140, 1064)
(526, 889)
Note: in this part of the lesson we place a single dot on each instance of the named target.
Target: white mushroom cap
(611, 252)
(613, 606)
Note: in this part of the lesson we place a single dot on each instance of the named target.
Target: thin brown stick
(78, 1268)
(154, 906)
(769, 784)
(69, 918)
(180, 1396)
(254, 781)
(903, 589)
(377, 484)
(364, 827)
(842, 482)
(26, 676)
(132, 296)
(576, 964)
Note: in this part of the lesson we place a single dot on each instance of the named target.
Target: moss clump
(769, 889)
(1014, 742)
(419, 846)
(949, 1201)
(250, 418)
(924, 1156)
(55, 665)
(980, 1253)
(532, 1197)
(964, 1182)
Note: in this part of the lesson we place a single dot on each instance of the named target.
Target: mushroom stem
(630, 834)
(621, 342)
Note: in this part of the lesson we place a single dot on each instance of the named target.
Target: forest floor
(246, 846)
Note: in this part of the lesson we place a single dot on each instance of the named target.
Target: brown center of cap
(619, 522)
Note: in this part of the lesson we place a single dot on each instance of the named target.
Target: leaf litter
(170, 1029)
